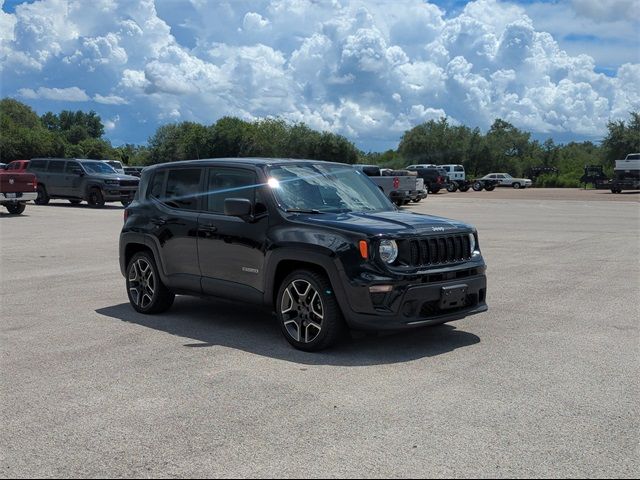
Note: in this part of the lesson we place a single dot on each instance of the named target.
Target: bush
(566, 180)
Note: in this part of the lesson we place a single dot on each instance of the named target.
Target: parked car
(116, 165)
(16, 189)
(626, 174)
(435, 179)
(507, 180)
(134, 171)
(318, 243)
(78, 179)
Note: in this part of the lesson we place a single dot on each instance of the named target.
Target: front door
(232, 249)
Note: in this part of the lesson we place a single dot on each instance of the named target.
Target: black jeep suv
(317, 242)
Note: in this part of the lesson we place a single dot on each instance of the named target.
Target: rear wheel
(465, 189)
(452, 187)
(308, 312)
(147, 293)
(96, 199)
(125, 203)
(490, 189)
(477, 186)
(16, 208)
(435, 190)
(43, 197)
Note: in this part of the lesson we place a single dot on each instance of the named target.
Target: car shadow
(254, 330)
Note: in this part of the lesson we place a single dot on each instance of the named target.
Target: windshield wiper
(302, 210)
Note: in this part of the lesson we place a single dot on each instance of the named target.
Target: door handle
(159, 221)
(208, 228)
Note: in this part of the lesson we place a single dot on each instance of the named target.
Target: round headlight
(388, 251)
(472, 243)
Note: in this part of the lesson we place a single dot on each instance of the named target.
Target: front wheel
(490, 189)
(147, 293)
(308, 312)
(516, 185)
(452, 187)
(96, 199)
(477, 186)
(16, 208)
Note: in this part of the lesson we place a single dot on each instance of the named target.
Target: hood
(113, 176)
(386, 223)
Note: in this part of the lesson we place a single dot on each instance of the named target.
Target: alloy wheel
(142, 283)
(302, 311)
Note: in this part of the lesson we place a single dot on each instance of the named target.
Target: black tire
(465, 189)
(477, 186)
(435, 190)
(516, 185)
(96, 199)
(416, 200)
(75, 201)
(146, 292)
(490, 189)
(298, 308)
(16, 208)
(125, 203)
(398, 203)
(43, 197)
(452, 187)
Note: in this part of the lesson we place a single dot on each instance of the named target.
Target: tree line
(504, 147)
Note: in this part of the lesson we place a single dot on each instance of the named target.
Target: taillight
(440, 179)
(396, 183)
(126, 215)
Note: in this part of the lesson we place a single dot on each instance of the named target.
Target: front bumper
(19, 197)
(416, 302)
(118, 194)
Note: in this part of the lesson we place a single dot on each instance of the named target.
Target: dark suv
(317, 242)
(77, 179)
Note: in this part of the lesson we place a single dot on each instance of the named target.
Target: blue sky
(367, 69)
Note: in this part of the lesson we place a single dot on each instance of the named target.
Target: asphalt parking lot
(546, 384)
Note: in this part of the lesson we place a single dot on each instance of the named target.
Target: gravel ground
(546, 384)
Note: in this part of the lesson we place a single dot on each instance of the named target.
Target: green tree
(622, 138)
(22, 135)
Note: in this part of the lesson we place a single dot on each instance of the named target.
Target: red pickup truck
(16, 188)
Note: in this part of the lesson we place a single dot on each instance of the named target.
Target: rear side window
(56, 166)
(156, 187)
(183, 188)
(459, 168)
(37, 165)
(226, 183)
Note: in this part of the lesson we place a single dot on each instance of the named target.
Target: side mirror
(237, 207)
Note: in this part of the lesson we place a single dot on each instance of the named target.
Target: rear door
(56, 185)
(73, 179)
(174, 201)
(231, 249)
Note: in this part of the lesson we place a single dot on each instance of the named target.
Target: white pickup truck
(400, 186)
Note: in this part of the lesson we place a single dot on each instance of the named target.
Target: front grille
(437, 250)
(129, 183)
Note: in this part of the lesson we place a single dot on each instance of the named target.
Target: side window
(226, 183)
(13, 166)
(38, 165)
(156, 187)
(72, 168)
(183, 188)
(56, 166)
(459, 168)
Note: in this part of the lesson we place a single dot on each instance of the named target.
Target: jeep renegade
(315, 241)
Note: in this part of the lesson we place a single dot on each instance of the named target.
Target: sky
(366, 69)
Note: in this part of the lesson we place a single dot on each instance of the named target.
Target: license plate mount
(454, 296)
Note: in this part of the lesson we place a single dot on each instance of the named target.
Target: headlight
(112, 182)
(473, 245)
(388, 251)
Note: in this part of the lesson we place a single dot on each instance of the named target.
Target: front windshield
(326, 188)
(98, 167)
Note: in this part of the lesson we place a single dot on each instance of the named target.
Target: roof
(239, 161)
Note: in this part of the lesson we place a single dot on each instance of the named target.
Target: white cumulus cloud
(356, 67)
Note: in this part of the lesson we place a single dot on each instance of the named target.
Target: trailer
(626, 175)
